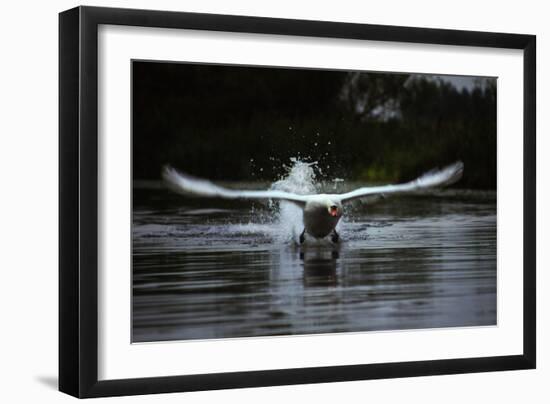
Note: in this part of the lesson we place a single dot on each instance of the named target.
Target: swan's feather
(433, 178)
(189, 185)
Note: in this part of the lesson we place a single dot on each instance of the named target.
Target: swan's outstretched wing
(433, 178)
(189, 185)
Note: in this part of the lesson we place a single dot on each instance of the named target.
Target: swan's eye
(333, 210)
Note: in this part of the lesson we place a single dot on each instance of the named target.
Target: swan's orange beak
(333, 211)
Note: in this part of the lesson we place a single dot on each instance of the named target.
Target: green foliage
(243, 123)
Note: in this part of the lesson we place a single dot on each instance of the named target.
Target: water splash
(300, 178)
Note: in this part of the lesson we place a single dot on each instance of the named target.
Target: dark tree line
(242, 123)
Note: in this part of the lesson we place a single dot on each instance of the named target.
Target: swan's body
(317, 222)
(321, 212)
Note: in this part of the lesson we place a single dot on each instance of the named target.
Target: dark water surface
(216, 269)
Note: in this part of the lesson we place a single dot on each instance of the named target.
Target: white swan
(321, 212)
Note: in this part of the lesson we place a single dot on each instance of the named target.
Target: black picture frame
(78, 203)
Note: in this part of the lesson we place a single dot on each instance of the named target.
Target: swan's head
(323, 205)
(334, 209)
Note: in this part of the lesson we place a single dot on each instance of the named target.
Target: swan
(321, 212)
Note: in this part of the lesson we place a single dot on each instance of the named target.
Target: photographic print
(276, 201)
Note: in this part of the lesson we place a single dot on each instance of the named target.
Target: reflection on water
(214, 269)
